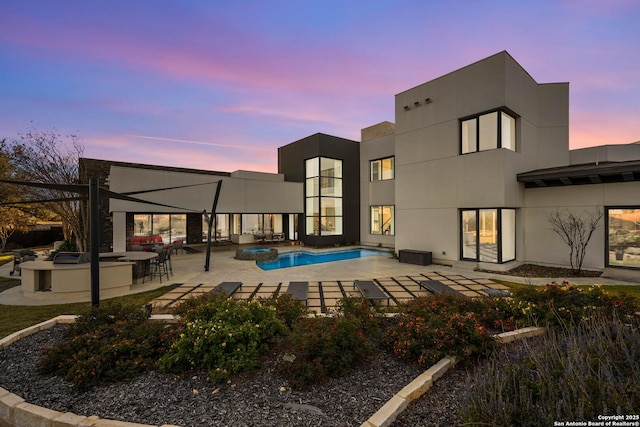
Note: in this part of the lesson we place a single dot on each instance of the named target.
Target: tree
(11, 218)
(575, 231)
(48, 157)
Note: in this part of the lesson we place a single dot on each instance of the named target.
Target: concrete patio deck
(334, 279)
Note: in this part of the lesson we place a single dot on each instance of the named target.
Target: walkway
(324, 295)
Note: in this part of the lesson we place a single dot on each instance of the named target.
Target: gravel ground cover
(256, 399)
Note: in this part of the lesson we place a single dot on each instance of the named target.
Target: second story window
(496, 129)
(382, 169)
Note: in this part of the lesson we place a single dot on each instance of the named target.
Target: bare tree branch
(41, 156)
(576, 232)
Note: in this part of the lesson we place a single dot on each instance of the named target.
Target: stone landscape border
(15, 411)
(416, 388)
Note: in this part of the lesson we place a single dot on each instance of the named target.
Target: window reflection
(382, 169)
(382, 221)
(624, 237)
(169, 227)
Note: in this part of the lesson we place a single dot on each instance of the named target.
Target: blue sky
(221, 84)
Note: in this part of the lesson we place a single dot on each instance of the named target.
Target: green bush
(322, 348)
(288, 309)
(360, 309)
(222, 336)
(112, 343)
(430, 328)
(68, 246)
(562, 304)
(574, 373)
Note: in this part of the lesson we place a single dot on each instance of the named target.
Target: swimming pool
(298, 258)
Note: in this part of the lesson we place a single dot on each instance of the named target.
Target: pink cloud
(131, 149)
(591, 129)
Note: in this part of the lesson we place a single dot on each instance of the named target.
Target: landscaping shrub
(574, 373)
(430, 328)
(112, 343)
(288, 309)
(322, 348)
(360, 309)
(222, 336)
(561, 304)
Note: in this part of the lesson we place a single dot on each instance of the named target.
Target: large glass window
(252, 224)
(382, 169)
(623, 237)
(469, 235)
(469, 135)
(496, 129)
(142, 225)
(488, 235)
(323, 196)
(221, 229)
(382, 221)
(170, 227)
(488, 231)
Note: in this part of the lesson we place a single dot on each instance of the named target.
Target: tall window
(496, 129)
(623, 225)
(323, 196)
(382, 220)
(382, 169)
(488, 235)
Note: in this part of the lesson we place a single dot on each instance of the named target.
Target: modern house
(473, 166)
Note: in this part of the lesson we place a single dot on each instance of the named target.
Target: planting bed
(255, 399)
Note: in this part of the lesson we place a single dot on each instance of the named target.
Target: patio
(328, 282)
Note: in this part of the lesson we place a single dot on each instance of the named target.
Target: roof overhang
(602, 173)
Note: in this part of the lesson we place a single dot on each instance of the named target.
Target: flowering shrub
(361, 309)
(111, 343)
(288, 309)
(223, 336)
(322, 348)
(433, 327)
(557, 304)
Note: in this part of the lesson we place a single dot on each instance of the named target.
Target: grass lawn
(16, 317)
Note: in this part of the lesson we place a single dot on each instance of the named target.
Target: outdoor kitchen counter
(44, 279)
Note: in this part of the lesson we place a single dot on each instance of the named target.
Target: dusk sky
(219, 85)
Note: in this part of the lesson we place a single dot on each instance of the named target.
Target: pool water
(299, 258)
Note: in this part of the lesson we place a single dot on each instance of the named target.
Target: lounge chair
(439, 288)
(370, 290)
(299, 291)
(229, 288)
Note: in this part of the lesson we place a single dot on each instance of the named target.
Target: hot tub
(257, 254)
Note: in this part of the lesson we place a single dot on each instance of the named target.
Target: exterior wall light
(407, 108)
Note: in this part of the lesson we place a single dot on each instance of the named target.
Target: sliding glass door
(488, 235)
